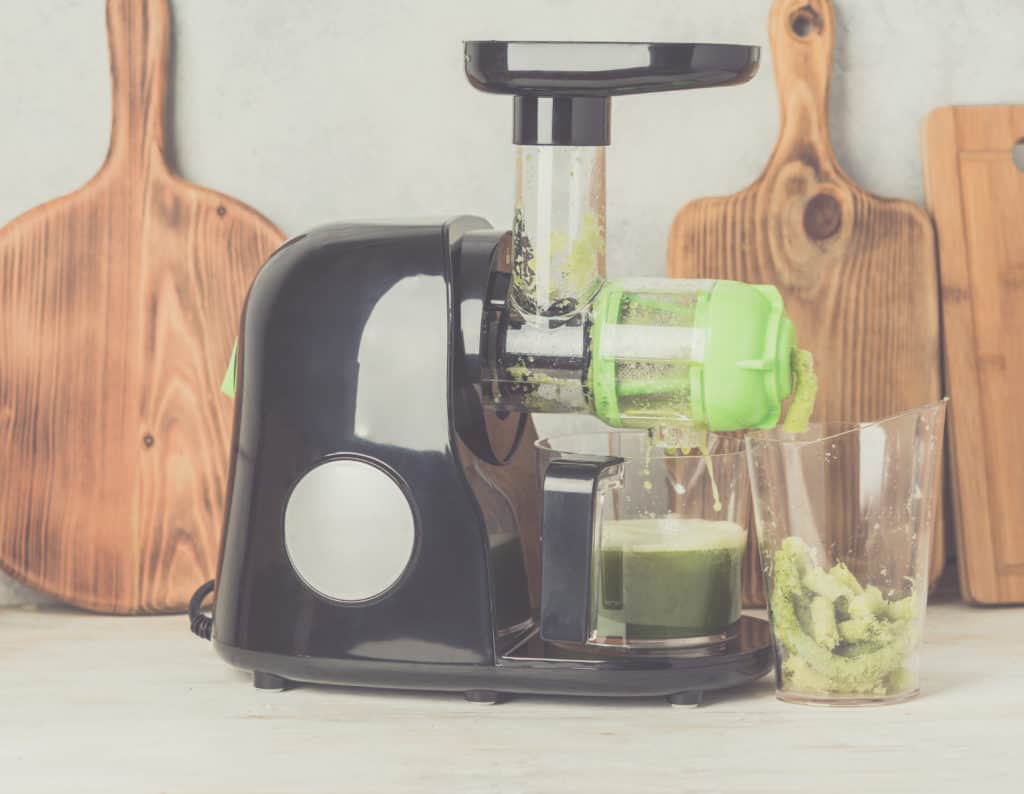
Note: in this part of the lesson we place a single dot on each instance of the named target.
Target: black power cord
(201, 625)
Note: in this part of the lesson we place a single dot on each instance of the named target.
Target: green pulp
(805, 392)
(668, 578)
(837, 637)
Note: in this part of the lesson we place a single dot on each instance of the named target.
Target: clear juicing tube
(558, 230)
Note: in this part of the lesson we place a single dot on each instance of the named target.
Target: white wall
(313, 110)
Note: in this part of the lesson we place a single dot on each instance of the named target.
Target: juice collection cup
(667, 541)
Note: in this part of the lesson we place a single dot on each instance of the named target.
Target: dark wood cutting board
(857, 272)
(976, 193)
(118, 307)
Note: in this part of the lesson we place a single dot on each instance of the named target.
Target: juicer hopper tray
(604, 68)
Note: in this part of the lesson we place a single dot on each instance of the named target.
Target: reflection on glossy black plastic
(572, 486)
(481, 276)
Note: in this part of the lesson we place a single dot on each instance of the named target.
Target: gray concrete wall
(313, 110)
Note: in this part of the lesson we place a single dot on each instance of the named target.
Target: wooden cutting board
(857, 271)
(118, 307)
(976, 193)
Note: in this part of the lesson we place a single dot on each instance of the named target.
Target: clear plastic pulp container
(844, 516)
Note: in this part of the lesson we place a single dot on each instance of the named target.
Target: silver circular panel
(349, 530)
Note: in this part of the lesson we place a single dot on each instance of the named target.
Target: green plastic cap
(747, 370)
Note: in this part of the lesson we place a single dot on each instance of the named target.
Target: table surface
(111, 704)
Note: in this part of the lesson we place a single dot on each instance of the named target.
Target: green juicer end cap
(747, 370)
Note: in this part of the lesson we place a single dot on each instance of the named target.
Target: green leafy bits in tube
(582, 262)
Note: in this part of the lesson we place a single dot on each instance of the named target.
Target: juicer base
(538, 668)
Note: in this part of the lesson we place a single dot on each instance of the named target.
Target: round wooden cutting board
(118, 307)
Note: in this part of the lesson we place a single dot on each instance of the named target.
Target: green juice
(668, 578)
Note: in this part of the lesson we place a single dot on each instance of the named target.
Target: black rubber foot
(488, 696)
(269, 681)
(690, 699)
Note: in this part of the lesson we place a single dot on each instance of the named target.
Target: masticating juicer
(383, 485)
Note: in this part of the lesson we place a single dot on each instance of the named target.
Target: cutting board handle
(801, 33)
(140, 50)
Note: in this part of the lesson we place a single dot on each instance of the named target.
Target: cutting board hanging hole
(1018, 154)
(804, 22)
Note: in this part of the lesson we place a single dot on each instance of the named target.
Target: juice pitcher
(642, 544)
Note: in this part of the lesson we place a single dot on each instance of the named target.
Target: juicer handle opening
(574, 491)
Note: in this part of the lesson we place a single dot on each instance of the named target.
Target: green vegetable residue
(567, 271)
(582, 266)
(839, 637)
(804, 393)
(521, 373)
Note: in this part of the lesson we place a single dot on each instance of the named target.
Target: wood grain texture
(976, 193)
(857, 271)
(118, 307)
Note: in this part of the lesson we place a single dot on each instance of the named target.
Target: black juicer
(384, 516)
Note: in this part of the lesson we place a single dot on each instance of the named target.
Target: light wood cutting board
(118, 307)
(857, 271)
(976, 193)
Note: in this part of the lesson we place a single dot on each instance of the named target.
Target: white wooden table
(104, 704)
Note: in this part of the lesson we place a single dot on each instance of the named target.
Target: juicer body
(378, 506)
(346, 453)
(383, 489)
